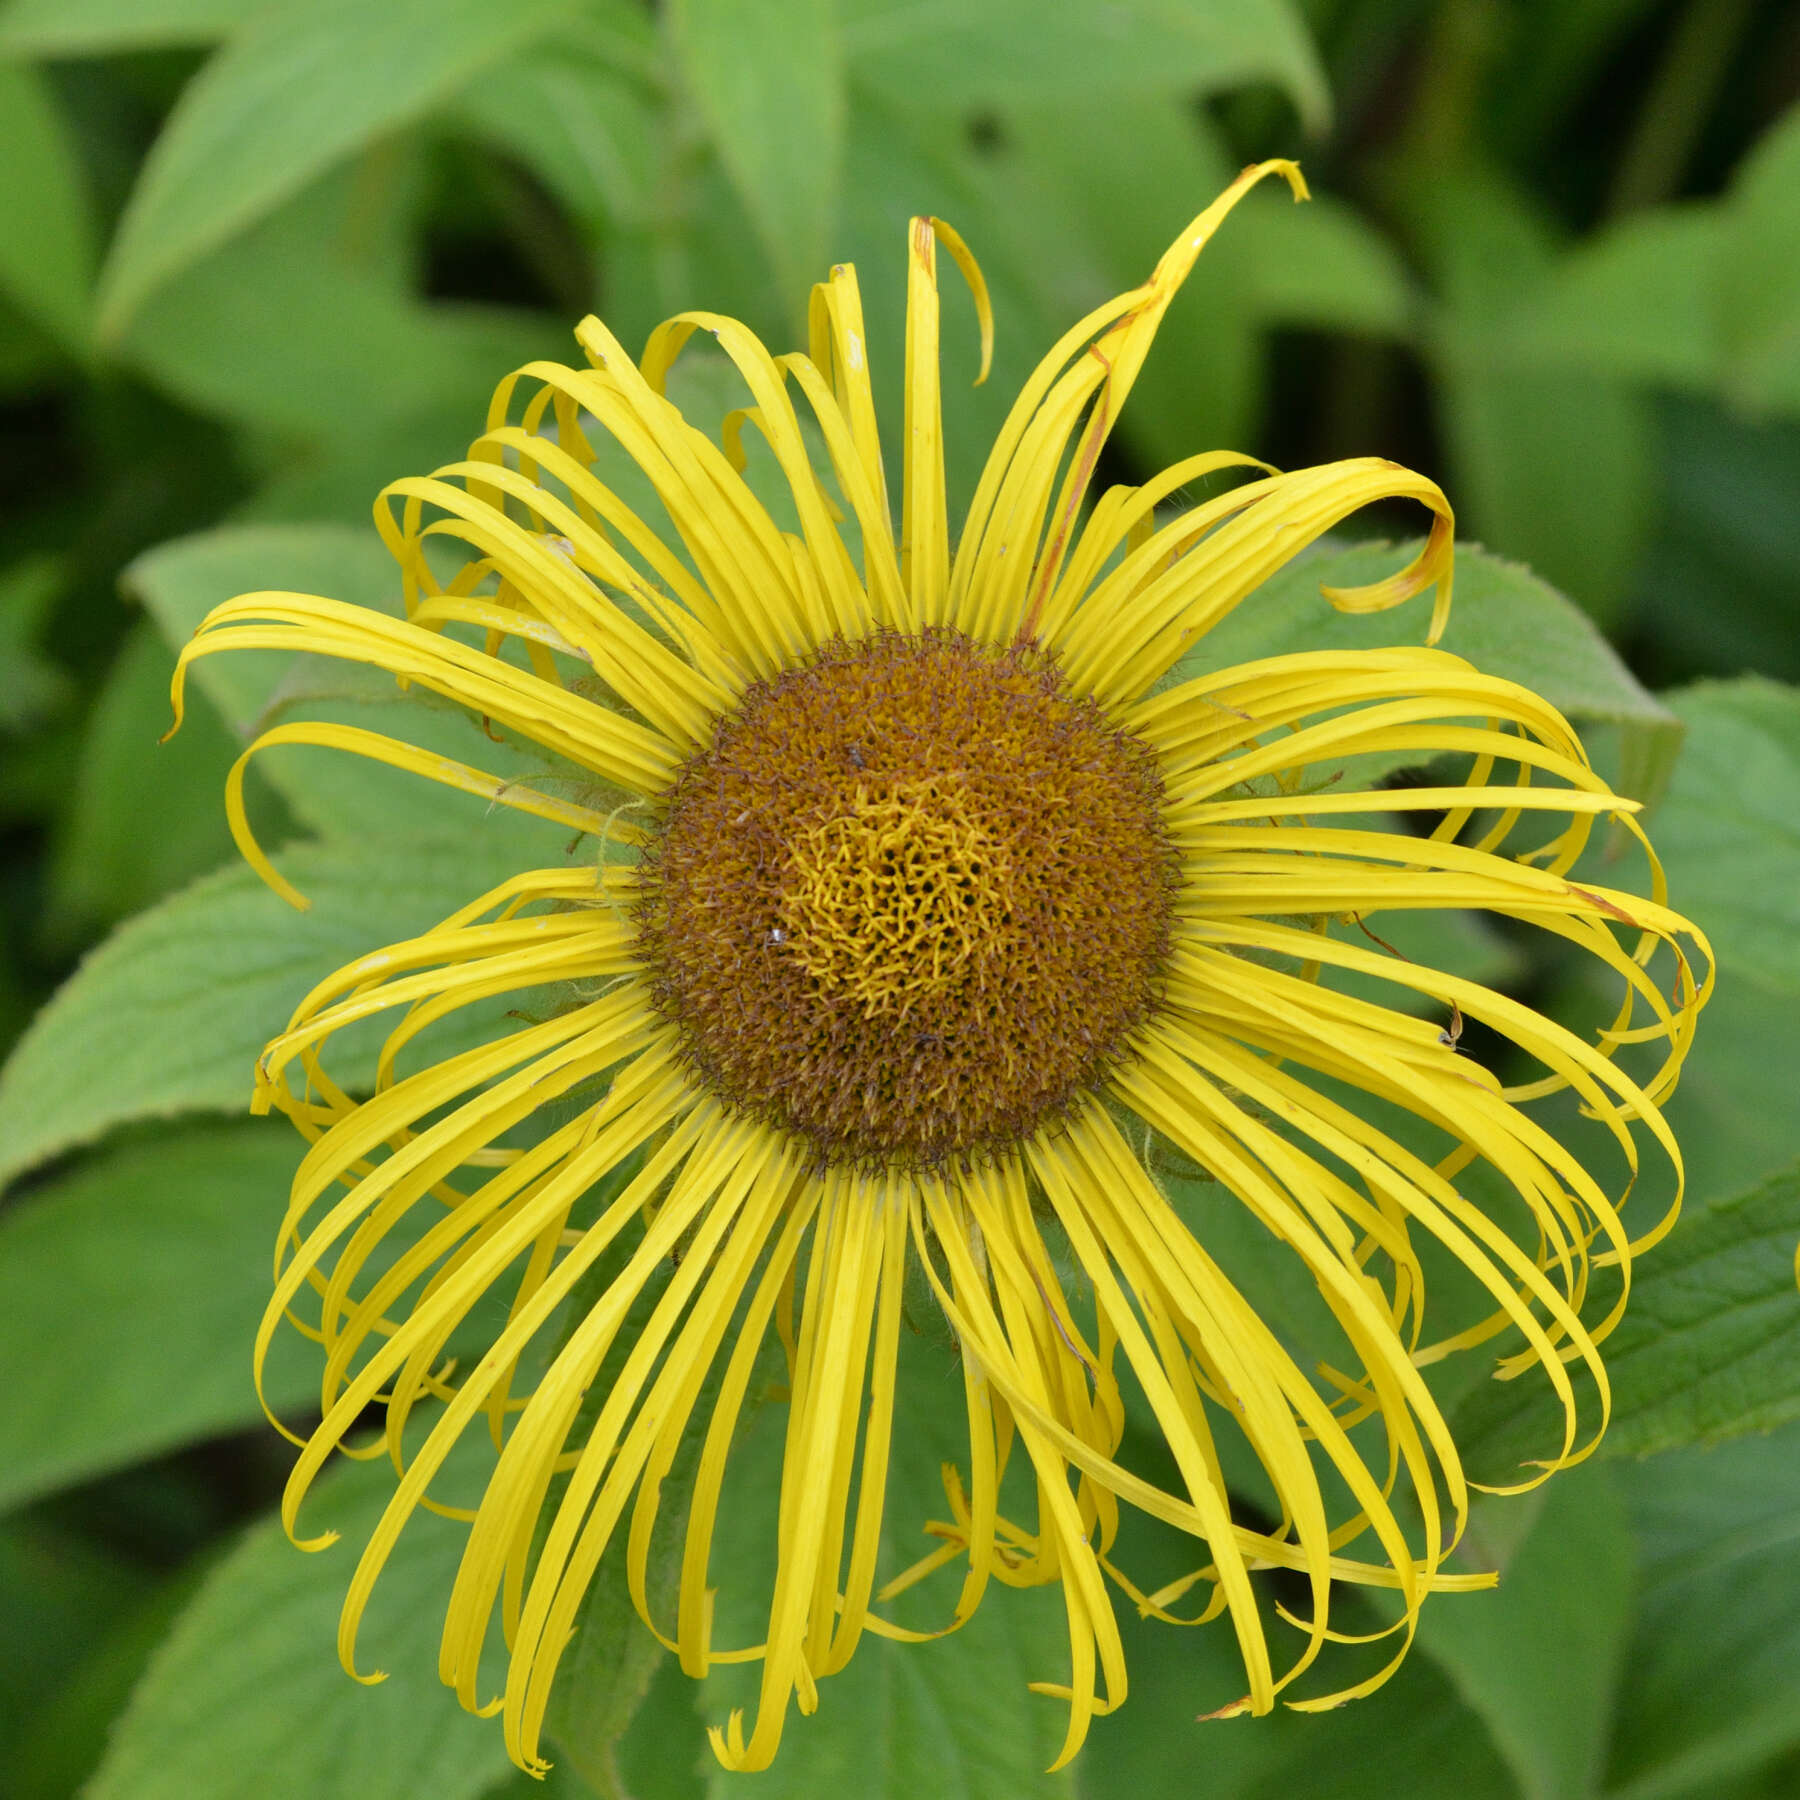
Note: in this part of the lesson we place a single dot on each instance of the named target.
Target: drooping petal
(1132, 627)
(721, 1211)
(1013, 1363)
(1016, 537)
(617, 750)
(856, 1240)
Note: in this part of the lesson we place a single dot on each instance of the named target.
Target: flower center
(912, 901)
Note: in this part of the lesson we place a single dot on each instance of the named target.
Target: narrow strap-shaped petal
(888, 601)
(615, 748)
(924, 506)
(735, 544)
(475, 964)
(839, 346)
(650, 1391)
(1021, 547)
(692, 1165)
(871, 1491)
(1520, 1288)
(849, 1247)
(694, 1640)
(969, 1303)
(659, 582)
(1027, 1403)
(1202, 722)
(1064, 1185)
(924, 512)
(1131, 630)
(1200, 1318)
(847, 606)
(1125, 517)
(520, 796)
(675, 696)
(555, 1058)
(509, 1209)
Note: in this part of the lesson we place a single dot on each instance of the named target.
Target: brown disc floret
(911, 901)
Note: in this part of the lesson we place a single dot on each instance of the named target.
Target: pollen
(912, 901)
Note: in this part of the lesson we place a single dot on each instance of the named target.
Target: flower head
(912, 899)
(932, 906)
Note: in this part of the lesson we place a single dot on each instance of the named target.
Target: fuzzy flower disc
(912, 899)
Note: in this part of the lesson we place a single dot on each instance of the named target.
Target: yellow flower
(923, 913)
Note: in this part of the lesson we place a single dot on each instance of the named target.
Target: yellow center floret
(911, 901)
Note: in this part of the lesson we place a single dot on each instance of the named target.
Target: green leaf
(1637, 301)
(279, 329)
(660, 1757)
(336, 482)
(1552, 67)
(46, 221)
(1321, 267)
(1504, 619)
(245, 1700)
(105, 865)
(702, 247)
(1731, 826)
(1553, 466)
(563, 107)
(1718, 591)
(51, 28)
(1539, 1658)
(132, 1288)
(1553, 469)
(297, 89)
(63, 1594)
(1733, 1114)
(945, 55)
(1709, 1348)
(1760, 275)
(67, 1733)
(562, 1783)
(606, 1673)
(32, 687)
(1715, 1653)
(768, 81)
(168, 1015)
(29, 359)
(952, 1717)
(1411, 1738)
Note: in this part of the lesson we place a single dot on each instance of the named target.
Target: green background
(258, 258)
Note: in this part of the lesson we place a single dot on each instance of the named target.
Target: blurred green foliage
(259, 256)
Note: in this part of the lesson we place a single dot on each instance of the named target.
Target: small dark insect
(1451, 1035)
(856, 756)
